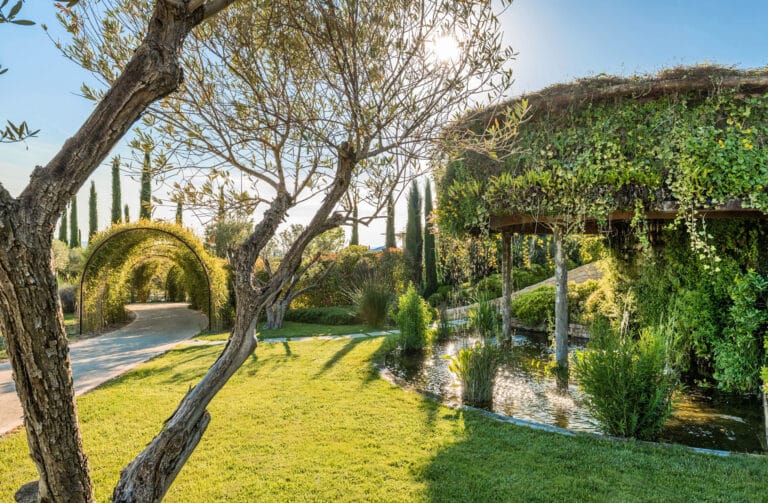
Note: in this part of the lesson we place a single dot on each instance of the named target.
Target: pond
(525, 390)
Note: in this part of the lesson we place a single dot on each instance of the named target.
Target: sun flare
(446, 48)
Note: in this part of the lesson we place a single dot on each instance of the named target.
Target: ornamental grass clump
(476, 369)
(372, 300)
(483, 317)
(628, 383)
(413, 318)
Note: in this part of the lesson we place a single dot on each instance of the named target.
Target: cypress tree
(222, 210)
(116, 194)
(145, 201)
(179, 211)
(413, 236)
(127, 217)
(63, 227)
(74, 232)
(93, 219)
(389, 240)
(355, 239)
(430, 251)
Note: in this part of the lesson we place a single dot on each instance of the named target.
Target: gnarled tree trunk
(276, 314)
(39, 354)
(30, 317)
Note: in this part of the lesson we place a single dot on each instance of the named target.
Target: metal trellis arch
(95, 252)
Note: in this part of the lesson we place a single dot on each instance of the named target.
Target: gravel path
(156, 329)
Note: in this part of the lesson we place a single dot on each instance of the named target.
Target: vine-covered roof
(683, 141)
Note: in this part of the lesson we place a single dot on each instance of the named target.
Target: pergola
(561, 109)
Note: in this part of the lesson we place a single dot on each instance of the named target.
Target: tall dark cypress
(430, 251)
(389, 240)
(117, 204)
(145, 206)
(413, 237)
(355, 238)
(74, 231)
(179, 212)
(126, 215)
(93, 217)
(63, 227)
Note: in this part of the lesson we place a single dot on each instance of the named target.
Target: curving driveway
(156, 329)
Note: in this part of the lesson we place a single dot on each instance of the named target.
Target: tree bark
(276, 314)
(506, 285)
(561, 306)
(39, 355)
(30, 316)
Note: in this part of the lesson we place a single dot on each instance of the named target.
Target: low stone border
(388, 376)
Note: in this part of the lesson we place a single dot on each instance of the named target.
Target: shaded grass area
(309, 421)
(295, 329)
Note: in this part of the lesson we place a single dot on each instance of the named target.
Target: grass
(295, 329)
(310, 421)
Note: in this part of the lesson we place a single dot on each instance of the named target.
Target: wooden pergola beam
(527, 224)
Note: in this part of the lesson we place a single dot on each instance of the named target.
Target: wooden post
(561, 305)
(765, 413)
(506, 284)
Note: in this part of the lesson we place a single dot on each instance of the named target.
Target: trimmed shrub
(628, 387)
(476, 369)
(413, 317)
(68, 298)
(523, 277)
(536, 307)
(489, 287)
(339, 315)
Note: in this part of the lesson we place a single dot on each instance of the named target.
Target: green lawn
(295, 329)
(310, 421)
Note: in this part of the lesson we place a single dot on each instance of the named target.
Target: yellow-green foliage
(701, 147)
(122, 248)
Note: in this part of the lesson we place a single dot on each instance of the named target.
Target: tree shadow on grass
(349, 346)
(176, 358)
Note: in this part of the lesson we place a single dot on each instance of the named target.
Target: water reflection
(526, 389)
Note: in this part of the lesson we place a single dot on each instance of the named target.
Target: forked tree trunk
(276, 314)
(506, 285)
(39, 354)
(561, 306)
(147, 478)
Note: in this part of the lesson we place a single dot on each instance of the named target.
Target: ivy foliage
(117, 254)
(698, 147)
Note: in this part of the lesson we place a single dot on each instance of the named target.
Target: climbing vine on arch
(115, 254)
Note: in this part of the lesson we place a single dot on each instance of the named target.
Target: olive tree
(304, 98)
(30, 316)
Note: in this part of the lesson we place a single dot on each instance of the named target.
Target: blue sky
(556, 41)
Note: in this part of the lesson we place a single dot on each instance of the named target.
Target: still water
(524, 389)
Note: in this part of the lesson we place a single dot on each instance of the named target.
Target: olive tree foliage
(306, 100)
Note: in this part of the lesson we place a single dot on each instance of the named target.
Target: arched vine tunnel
(127, 263)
